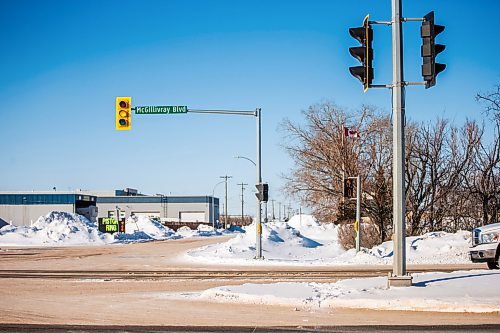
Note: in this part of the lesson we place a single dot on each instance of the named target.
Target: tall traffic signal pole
(399, 276)
(430, 69)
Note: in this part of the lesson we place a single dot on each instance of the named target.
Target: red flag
(350, 133)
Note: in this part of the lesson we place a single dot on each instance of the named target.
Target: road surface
(89, 293)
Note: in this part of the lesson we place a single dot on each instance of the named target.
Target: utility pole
(273, 217)
(226, 177)
(242, 202)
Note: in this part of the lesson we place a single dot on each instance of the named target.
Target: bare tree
(491, 100)
(324, 156)
(376, 164)
(482, 178)
(321, 157)
(436, 161)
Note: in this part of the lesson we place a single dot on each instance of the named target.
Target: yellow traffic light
(123, 113)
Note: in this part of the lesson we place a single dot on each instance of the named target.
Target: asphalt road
(208, 329)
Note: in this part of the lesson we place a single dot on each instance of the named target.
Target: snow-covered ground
(301, 241)
(305, 241)
(462, 291)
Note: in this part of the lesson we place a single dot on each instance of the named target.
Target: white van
(486, 245)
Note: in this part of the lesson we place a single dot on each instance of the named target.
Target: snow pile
(56, 228)
(202, 230)
(303, 240)
(61, 228)
(433, 248)
(462, 291)
(143, 228)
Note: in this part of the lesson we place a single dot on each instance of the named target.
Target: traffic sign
(169, 109)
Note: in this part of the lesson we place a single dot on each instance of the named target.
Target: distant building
(25, 208)
(22, 209)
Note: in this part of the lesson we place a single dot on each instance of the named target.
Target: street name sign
(158, 109)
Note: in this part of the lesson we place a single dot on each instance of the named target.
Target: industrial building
(22, 209)
(25, 208)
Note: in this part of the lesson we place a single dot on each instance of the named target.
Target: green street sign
(169, 109)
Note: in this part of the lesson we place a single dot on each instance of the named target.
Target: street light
(258, 241)
(246, 158)
(213, 203)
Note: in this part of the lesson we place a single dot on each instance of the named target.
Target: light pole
(258, 241)
(213, 202)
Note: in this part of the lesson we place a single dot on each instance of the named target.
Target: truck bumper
(482, 255)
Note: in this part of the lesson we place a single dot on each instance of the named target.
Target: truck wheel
(493, 264)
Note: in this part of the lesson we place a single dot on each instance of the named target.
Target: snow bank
(144, 229)
(56, 228)
(305, 241)
(462, 291)
(301, 241)
(61, 228)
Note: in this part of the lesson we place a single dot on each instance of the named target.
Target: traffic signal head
(348, 188)
(262, 192)
(363, 53)
(429, 50)
(123, 113)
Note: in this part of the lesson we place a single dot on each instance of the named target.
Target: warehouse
(22, 209)
(170, 210)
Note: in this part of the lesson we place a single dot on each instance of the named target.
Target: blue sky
(64, 62)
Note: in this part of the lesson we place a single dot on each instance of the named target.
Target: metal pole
(265, 212)
(398, 115)
(226, 178)
(258, 227)
(225, 199)
(213, 202)
(358, 213)
(279, 211)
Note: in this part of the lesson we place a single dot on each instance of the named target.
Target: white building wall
(25, 215)
(166, 212)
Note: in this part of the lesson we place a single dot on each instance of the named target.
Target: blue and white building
(23, 208)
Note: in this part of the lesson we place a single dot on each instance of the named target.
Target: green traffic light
(122, 122)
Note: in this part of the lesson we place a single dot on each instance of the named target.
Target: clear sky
(63, 63)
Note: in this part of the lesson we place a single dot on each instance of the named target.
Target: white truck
(486, 245)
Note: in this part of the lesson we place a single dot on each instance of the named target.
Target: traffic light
(363, 53)
(123, 113)
(348, 188)
(429, 50)
(262, 192)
